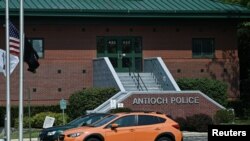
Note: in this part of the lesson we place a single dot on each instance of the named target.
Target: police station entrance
(125, 53)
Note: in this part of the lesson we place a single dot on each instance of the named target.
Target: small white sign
(113, 104)
(120, 105)
(48, 122)
(63, 104)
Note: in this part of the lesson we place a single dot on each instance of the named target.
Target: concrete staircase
(147, 82)
(155, 77)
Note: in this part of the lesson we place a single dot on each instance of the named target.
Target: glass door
(125, 53)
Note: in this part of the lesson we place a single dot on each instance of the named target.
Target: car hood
(57, 128)
(79, 129)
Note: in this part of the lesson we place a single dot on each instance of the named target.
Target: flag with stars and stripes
(14, 50)
(14, 40)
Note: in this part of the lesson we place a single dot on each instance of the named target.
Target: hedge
(33, 109)
(37, 120)
(224, 116)
(88, 99)
(214, 89)
(197, 122)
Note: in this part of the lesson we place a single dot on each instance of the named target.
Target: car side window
(149, 120)
(125, 121)
(93, 119)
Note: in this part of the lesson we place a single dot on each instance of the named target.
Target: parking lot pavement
(188, 136)
(195, 136)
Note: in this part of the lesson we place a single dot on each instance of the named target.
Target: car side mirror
(114, 126)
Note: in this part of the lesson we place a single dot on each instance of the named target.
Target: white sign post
(48, 122)
(63, 106)
(113, 104)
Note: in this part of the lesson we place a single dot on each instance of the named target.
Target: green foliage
(33, 110)
(224, 116)
(241, 108)
(26, 120)
(38, 119)
(120, 110)
(215, 89)
(242, 2)
(197, 122)
(88, 99)
(182, 122)
(2, 113)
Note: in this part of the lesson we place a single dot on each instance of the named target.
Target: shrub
(198, 122)
(88, 99)
(119, 110)
(2, 116)
(38, 119)
(241, 108)
(224, 116)
(182, 122)
(25, 122)
(33, 109)
(215, 89)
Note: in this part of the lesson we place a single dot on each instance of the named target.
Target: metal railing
(139, 82)
(137, 79)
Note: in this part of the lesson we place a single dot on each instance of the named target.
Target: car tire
(93, 139)
(164, 139)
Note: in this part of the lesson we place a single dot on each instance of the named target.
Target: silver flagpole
(7, 71)
(21, 34)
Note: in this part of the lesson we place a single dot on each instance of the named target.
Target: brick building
(195, 39)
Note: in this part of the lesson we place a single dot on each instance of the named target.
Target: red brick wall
(71, 46)
(175, 110)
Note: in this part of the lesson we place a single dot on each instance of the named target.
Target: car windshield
(85, 120)
(103, 121)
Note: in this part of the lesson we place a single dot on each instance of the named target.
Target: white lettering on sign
(152, 100)
(165, 100)
(184, 100)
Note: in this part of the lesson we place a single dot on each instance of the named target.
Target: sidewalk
(25, 139)
(196, 134)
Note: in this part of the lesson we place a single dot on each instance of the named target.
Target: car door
(124, 131)
(148, 127)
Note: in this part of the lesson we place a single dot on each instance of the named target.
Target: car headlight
(74, 135)
(51, 133)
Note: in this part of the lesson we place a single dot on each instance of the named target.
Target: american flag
(14, 40)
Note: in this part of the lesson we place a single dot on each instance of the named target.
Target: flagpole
(21, 71)
(8, 126)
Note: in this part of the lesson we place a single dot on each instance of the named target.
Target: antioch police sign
(166, 100)
(176, 104)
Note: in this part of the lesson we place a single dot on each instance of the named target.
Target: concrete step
(130, 81)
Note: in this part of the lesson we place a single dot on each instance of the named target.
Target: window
(38, 45)
(203, 47)
(148, 120)
(125, 121)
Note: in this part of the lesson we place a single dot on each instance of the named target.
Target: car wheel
(93, 139)
(164, 139)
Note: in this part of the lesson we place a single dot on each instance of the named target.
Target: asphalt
(188, 136)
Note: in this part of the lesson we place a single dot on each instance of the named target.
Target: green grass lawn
(26, 134)
(242, 122)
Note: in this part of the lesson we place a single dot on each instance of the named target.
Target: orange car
(127, 127)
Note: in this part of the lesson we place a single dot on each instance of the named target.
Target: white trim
(177, 88)
(112, 70)
(104, 107)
